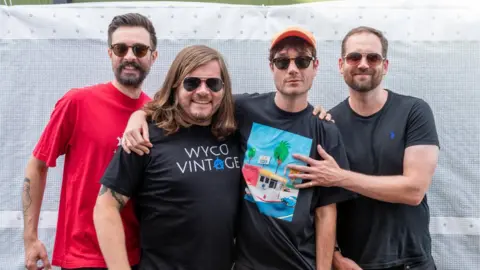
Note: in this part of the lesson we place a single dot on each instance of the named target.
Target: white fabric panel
(434, 54)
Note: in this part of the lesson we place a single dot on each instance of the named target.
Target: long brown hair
(165, 110)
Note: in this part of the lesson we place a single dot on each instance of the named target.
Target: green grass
(242, 2)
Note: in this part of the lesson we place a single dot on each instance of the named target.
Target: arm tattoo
(103, 190)
(27, 199)
(118, 197)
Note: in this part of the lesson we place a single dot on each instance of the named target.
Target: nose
(202, 89)
(363, 63)
(292, 67)
(130, 55)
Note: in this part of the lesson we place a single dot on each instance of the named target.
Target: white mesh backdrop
(434, 54)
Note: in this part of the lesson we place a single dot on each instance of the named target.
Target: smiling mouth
(201, 102)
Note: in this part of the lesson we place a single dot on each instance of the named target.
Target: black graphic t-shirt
(186, 194)
(386, 234)
(277, 222)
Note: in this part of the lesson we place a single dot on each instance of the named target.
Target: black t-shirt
(277, 222)
(186, 194)
(373, 233)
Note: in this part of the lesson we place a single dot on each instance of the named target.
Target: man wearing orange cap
(280, 226)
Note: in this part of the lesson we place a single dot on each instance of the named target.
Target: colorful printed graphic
(269, 151)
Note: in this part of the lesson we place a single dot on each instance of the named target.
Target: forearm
(32, 196)
(111, 236)
(393, 189)
(325, 225)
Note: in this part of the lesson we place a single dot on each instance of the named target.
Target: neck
(131, 92)
(368, 103)
(294, 103)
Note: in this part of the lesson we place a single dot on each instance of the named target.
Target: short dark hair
(366, 29)
(297, 43)
(133, 19)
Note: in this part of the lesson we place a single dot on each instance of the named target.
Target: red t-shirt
(86, 126)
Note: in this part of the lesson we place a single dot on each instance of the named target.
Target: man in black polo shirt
(392, 147)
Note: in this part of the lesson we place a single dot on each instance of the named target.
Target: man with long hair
(86, 126)
(186, 189)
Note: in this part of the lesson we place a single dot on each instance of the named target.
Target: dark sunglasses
(373, 59)
(192, 83)
(301, 62)
(121, 49)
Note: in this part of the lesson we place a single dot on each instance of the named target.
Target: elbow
(35, 167)
(415, 196)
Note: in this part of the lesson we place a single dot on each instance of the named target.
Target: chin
(293, 92)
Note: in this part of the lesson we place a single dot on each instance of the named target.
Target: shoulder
(156, 134)
(323, 132)
(340, 109)
(82, 93)
(413, 106)
(246, 98)
(145, 97)
(408, 102)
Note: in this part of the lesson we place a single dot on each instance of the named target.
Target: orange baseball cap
(294, 32)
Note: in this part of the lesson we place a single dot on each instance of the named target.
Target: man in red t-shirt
(86, 126)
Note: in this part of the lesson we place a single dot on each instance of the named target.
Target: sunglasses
(302, 62)
(121, 49)
(192, 83)
(373, 59)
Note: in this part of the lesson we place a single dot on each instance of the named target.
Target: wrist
(30, 238)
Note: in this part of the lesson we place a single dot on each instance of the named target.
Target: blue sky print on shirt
(269, 151)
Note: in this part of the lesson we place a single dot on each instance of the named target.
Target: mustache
(365, 72)
(132, 64)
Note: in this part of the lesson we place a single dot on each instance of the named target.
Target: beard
(364, 86)
(131, 80)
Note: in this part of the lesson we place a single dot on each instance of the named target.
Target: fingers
(300, 168)
(134, 141)
(126, 144)
(305, 159)
(301, 176)
(328, 117)
(305, 185)
(46, 262)
(146, 135)
(323, 153)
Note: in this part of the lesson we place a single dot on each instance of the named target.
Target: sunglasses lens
(215, 84)
(120, 49)
(374, 59)
(303, 62)
(191, 83)
(353, 58)
(140, 50)
(281, 63)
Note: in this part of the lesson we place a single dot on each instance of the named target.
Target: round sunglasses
(373, 59)
(302, 62)
(192, 83)
(139, 50)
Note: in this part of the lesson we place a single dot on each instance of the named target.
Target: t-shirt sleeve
(125, 172)
(421, 129)
(58, 133)
(334, 146)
